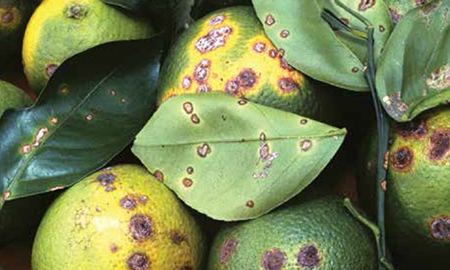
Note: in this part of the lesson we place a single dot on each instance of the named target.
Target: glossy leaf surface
(232, 159)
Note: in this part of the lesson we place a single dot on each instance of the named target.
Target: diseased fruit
(399, 8)
(12, 97)
(313, 234)
(418, 188)
(228, 51)
(60, 29)
(14, 15)
(118, 218)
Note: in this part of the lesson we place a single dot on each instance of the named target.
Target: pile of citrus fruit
(224, 135)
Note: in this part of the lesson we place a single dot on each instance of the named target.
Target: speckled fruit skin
(120, 218)
(418, 188)
(228, 51)
(318, 234)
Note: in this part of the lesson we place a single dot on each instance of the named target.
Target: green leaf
(414, 70)
(336, 57)
(167, 14)
(231, 159)
(92, 107)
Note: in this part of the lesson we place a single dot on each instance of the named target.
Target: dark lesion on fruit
(366, 4)
(128, 202)
(176, 237)
(439, 144)
(273, 259)
(138, 261)
(439, 228)
(141, 227)
(50, 69)
(416, 129)
(227, 249)
(308, 257)
(76, 11)
(402, 159)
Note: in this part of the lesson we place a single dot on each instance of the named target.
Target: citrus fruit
(418, 184)
(60, 29)
(228, 51)
(118, 218)
(12, 97)
(14, 15)
(312, 234)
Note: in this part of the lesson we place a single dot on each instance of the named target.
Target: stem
(383, 134)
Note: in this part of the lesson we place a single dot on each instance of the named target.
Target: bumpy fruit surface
(118, 218)
(60, 29)
(12, 97)
(228, 51)
(314, 234)
(418, 185)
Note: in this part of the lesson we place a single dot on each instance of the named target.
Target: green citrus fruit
(318, 234)
(60, 29)
(120, 218)
(14, 15)
(12, 97)
(228, 51)
(418, 188)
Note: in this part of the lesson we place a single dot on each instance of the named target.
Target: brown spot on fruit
(366, 4)
(143, 199)
(217, 20)
(113, 248)
(308, 257)
(273, 53)
(50, 69)
(110, 188)
(128, 203)
(284, 65)
(270, 20)
(232, 87)
(416, 129)
(138, 261)
(401, 160)
(287, 85)
(250, 204)
(188, 107)
(106, 179)
(201, 72)
(195, 119)
(159, 175)
(439, 228)
(273, 259)
(203, 150)
(186, 82)
(176, 238)
(203, 88)
(439, 144)
(227, 249)
(259, 47)
(187, 182)
(141, 227)
(7, 17)
(246, 79)
(284, 33)
(214, 39)
(75, 11)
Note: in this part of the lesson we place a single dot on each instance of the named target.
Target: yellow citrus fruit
(120, 218)
(60, 29)
(228, 51)
(308, 234)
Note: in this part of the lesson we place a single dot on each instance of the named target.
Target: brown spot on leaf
(284, 33)
(138, 261)
(190, 170)
(128, 203)
(187, 182)
(26, 149)
(401, 160)
(122, 100)
(304, 121)
(439, 228)
(89, 117)
(273, 259)
(188, 107)
(113, 92)
(250, 204)
(195, 119)
(242, 102)
(381, 28)
(141, 227)
(366, 4)
(305, 145)
(396, 17)
(270, 20)
(50, 69)
(203, 150)
(159, 175)
(53, 120)
(439, 144)
(355, 69)
(6, 195)
(308, 257)
(227, 249)
(287, 85)
(416, 129)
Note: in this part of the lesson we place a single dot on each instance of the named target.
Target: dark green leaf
(232, 159)
(414, 70)
(92, 107)
(336, 57)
